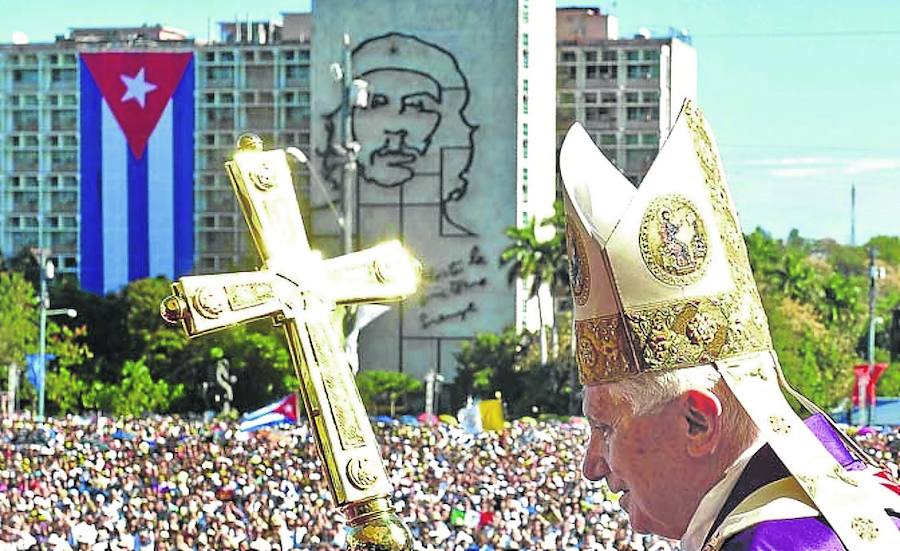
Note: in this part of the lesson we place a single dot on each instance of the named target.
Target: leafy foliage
(136, 393)
(385, 386)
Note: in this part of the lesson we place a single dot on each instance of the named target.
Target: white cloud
(798, 172)
(792, 161)
(806, 167)
(861, 166)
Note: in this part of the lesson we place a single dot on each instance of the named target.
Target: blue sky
(803, 95)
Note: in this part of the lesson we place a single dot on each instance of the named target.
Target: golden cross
(299, 290)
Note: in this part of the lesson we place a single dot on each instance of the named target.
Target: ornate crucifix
(299, 290)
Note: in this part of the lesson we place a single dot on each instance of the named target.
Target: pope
(683, 391)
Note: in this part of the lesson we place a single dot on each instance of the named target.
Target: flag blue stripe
(91, 262)
(183, 128)
(268, 421)
(138, 231)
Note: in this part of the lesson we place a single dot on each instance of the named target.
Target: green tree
(18, 319)
(136, 393)
(840, 302)
(816, 359)
(377, 385)
(887, 248)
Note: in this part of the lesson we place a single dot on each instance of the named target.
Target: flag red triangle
(288, 408)
(137, 86)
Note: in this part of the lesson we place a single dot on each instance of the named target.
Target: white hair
(649, 392)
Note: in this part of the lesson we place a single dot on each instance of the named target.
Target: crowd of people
(174, 484)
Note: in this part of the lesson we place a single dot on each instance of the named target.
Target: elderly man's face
(642, 456)
(395, 131)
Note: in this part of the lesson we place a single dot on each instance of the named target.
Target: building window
(609, 72)
(610, 55)
(294, 116)
(566, 97)
(220, 75)
(631, 97)
(567, 56)
(607, 139)
(642, 114)
(631, 139)
(25, 120)
(651, 97)
(25, 78)
(642, 71)
(62, 78)
(632, 55)
(590, 56)
(63, 119)
(599, 114)
(650, 139)
(651, 55)
(565, 74)
(296, 74)
(590, 97)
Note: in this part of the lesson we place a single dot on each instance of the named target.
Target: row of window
(255, 117)
(32, 182)
(32, 140)
(262, 76)
(281, 139)
(55, 221)
(267, 55)
(34, 100)
(651, 139)
(606, 98)
(262, 97)
(571, 56)
(26, 120)
(608, 72)
(30, 78)
(54, 201)
(32, 59)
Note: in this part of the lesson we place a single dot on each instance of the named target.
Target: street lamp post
(48, 271)
(354, 93)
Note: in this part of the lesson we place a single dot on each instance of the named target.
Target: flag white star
(137, 88)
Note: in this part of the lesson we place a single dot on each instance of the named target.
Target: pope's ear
(703, 415)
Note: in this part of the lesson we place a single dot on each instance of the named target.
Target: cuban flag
(281, 412)
(137, 165)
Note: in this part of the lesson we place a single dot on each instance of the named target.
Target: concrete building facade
(626, 92)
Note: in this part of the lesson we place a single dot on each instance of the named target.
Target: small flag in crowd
(33, 370)
(283, 411)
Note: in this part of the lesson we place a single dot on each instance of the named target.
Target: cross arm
(384, 273)
(207, 303)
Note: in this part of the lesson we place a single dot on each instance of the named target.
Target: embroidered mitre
(660, 276)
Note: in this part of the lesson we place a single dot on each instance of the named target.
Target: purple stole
(801, 534)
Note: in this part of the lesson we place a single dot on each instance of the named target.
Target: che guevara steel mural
(414, 136)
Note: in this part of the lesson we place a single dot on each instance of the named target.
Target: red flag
(862, 376)
(873, 381)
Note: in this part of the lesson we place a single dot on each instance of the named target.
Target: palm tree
(538, 262)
